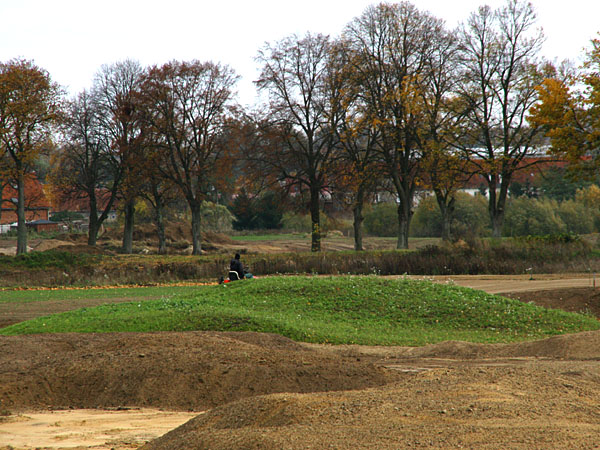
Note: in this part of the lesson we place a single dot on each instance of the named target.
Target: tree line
(398, 102)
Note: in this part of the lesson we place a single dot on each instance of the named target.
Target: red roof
(34, 194)
(37, 205)
(81, 203)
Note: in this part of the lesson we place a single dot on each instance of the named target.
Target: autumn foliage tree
(357, 167)
(29, 102)
(186, 107)
(569, 113)
(391, 44)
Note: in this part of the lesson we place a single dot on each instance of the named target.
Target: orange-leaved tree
(569, 112)
(29, 102)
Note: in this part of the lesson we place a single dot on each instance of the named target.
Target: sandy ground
(121, 391)
(499, 284)
(97, 429)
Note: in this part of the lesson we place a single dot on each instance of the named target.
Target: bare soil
(267, 392)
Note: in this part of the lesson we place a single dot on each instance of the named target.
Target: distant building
(42, 225)
(37, 206)
(81, 205)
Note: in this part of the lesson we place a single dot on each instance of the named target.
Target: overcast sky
(71, 39)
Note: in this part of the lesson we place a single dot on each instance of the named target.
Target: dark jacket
(236, 266)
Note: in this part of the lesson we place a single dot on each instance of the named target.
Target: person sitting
(236, 269)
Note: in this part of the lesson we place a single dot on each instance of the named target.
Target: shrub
(382, 220)
(470, 217)
(302, 223)
(264, 212)
(529, 216)
(216, 217)
(576, 217)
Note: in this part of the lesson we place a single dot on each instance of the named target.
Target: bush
(300, 223)
(529, 216)
(590, 198)
(216, 217)
(264, 212)
(382, 220)
(470, 217)
(576, 217)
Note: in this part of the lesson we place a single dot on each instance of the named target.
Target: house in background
(37, 206)
(80, 206)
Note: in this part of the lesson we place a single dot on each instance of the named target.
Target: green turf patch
(41, 295)
(353, 309)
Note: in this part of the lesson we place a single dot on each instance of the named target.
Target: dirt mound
(177, 371)
(580, 346)
(540, 405)
(580, 300)
(50, 244)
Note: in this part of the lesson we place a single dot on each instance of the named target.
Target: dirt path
(15, 312)
(497, 284)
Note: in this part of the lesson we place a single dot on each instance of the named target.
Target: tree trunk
(21, 219)
(128, 228)
(497, 218)
(1, 197)
(404, 216)
(497, 205)
(196, 206)
(159, 221)
(315, 220)
(358, 220)
(93, 222)
(447, 211)
(93, 228)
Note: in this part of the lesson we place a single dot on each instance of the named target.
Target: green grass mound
(353, 309)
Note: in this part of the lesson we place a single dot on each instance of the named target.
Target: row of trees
(401, 102)
(398, 102)
(155, 132)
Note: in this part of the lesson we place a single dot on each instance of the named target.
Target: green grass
(271, 237)
(354, 309)
(51, 258)
(41, 295)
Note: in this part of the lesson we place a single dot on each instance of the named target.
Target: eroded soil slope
(176, 371)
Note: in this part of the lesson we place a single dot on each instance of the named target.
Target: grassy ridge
(42, 295)
(354, 309)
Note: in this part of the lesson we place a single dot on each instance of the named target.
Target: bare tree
(501, 71)
(295, 73)
(115, 90)
(84, 167)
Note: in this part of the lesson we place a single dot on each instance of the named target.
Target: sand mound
(50, 244)
(177, 371)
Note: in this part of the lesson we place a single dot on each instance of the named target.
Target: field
(245, 389)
